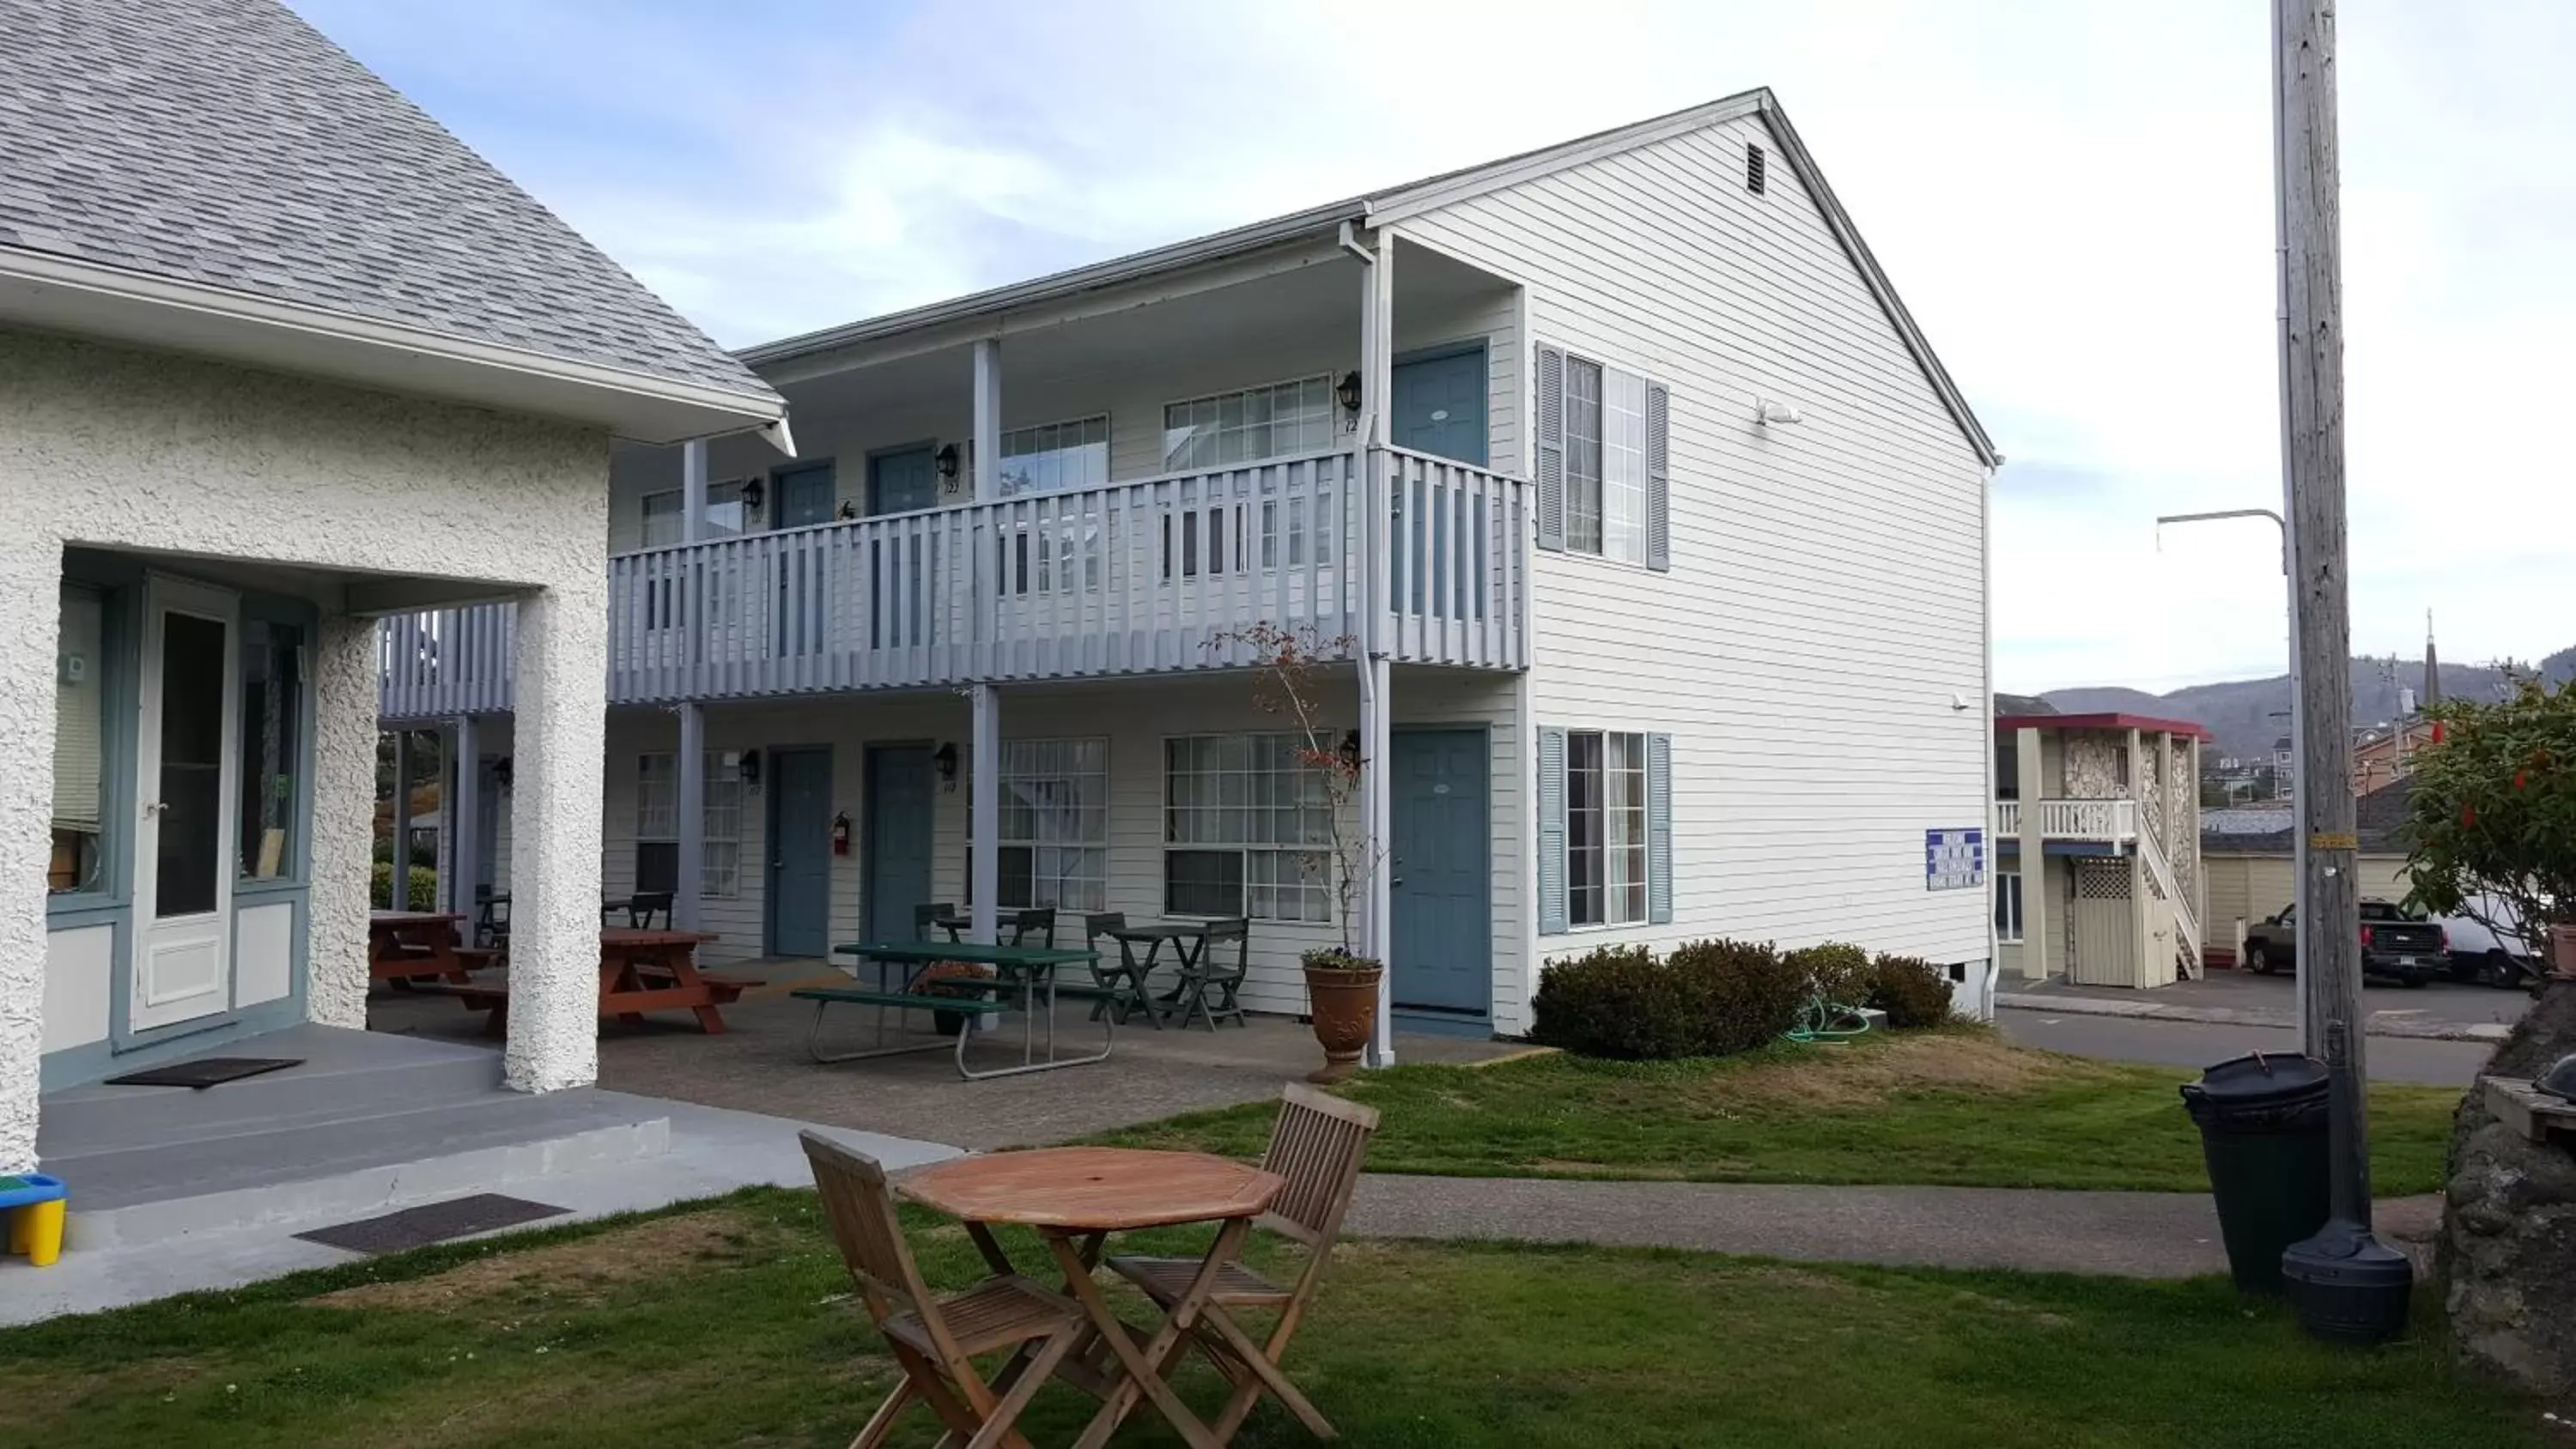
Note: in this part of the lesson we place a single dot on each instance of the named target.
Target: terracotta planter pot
(2562, 949)
(1344, 1004)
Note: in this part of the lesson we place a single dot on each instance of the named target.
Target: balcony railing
(1145, 577)
(445, 663)
(2113, 822)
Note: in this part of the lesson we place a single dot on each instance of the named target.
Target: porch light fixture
(1347, 393)
(752, 493)
(946, 460)
(946, 763)
(751, 767)
(502, 773)
(1351, 748)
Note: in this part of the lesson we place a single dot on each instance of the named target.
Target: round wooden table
(1075, 1197)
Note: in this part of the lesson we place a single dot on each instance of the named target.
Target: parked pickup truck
(2395, 945)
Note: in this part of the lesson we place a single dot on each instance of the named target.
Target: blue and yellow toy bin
(34, 1205)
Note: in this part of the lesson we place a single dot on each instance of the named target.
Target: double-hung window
(1054, 838)
(1602, 450)
(2008, 906)
(726, 514)
(1248, 426)
(1605, 829)
(1055, 457)
(1247, 829)
(657, 824)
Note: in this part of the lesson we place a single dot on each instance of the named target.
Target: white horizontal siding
(1826, 600)
(1135, 717)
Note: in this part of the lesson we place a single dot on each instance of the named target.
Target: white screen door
(187, 790)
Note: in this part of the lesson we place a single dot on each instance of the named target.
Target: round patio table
(1075, 1197)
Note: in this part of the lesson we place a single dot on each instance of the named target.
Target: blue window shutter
(1551, 447)
(1659, 830)
(1659, 532)
(1551, 832)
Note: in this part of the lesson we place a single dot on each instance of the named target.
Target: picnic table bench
(1027, 971)
(639, 971)
(405, 946)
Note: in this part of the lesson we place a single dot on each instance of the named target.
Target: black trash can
(2263, 1132)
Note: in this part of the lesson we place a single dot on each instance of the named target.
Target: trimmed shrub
(1839, 972)
(423, 890)
(1613, 1001)
(1912, 991)
(1743, 995)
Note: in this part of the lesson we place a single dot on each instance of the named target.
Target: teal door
(897, 838)
(1440, 405)
(804, 496)
(1441, 873)
(800, 852)
(903, 482)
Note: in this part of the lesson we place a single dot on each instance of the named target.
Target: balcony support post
(463, 802)
(2035, 937)
(2141, 910)
(690, 804)
(1377, 373)
(984, 858)
(400, 898)
(988, 419)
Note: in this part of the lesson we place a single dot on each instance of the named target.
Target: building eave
(52, 292)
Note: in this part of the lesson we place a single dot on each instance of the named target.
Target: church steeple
(2432, 665)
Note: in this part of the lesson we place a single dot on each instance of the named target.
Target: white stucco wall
(121, 449)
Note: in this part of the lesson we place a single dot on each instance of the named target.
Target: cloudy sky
(2074, 198)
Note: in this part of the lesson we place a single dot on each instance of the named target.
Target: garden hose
(1827, 1021)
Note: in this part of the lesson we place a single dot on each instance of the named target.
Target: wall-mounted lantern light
(751, 767)
(752, 493)
(946, 460)
(946, 763)
(1347, 393)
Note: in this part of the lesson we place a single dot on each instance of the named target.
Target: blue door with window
(1441, 873)
(1440, 405)
(897, 838)
(800, 852)
(903, 482)
(803, 494)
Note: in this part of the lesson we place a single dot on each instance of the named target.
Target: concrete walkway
(2441, 1012)
(2124, 1234)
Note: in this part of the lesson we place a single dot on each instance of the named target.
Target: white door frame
(182, 964)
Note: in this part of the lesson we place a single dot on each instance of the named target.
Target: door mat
(432, 1223)
(204, 1072)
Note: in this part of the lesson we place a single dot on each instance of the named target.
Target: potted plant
(970, 980)
(1342, 982)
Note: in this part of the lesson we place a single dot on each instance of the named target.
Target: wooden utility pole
(2329, 951)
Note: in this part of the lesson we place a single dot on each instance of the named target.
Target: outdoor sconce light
(1347, 393)
(752, 493)
(848, 510)
(1351, 749)
(502, 773)
(946, 460)
(946, 763)
(751, 767)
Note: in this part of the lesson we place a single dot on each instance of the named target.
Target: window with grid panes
(1582, 455)
(1054, 837)
(1248, 426)
(1247, 829)
(1605, 828)
(1054, 457)
(657, 824)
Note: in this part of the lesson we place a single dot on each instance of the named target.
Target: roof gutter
(751, 410)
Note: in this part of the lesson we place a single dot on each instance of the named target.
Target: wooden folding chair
(1316, 1144)
(936, 1340)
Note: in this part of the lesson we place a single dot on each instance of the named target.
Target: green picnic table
(1027, 971)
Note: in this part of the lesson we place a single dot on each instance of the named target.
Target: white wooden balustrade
(1141, 577)
(2107, 821)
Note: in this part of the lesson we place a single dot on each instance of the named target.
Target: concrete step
(307, 1176)
(343, 1074)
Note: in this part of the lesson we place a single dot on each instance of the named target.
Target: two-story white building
(1644, 530)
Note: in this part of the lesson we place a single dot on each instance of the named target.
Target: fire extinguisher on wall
(840, 835)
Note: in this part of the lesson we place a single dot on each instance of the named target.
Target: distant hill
(2246, 715)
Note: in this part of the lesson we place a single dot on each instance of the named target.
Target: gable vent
(1754, 164)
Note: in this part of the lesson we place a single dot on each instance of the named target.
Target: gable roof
(1411, 199)
(225, 147)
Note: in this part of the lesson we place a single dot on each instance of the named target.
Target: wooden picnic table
(403, 945)
(1074, 1197)
(639, 971)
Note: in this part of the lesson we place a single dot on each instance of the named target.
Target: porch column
(561, 737)
(1377, 375)
(31, 571)
(984, 809)
(988, 420)
(693, 490)
(401, 897)
(345, 738)
(1377, 923)
(2034, 857)
(2141, 923)
(691, 806)
(464, 833)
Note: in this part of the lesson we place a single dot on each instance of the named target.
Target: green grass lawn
(727, 1325)
(1953, 1107)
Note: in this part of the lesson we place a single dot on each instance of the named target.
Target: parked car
(2402, 948)
(2480, 952)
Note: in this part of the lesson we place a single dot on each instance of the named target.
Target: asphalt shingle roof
(226, 142)
(2379, 818)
